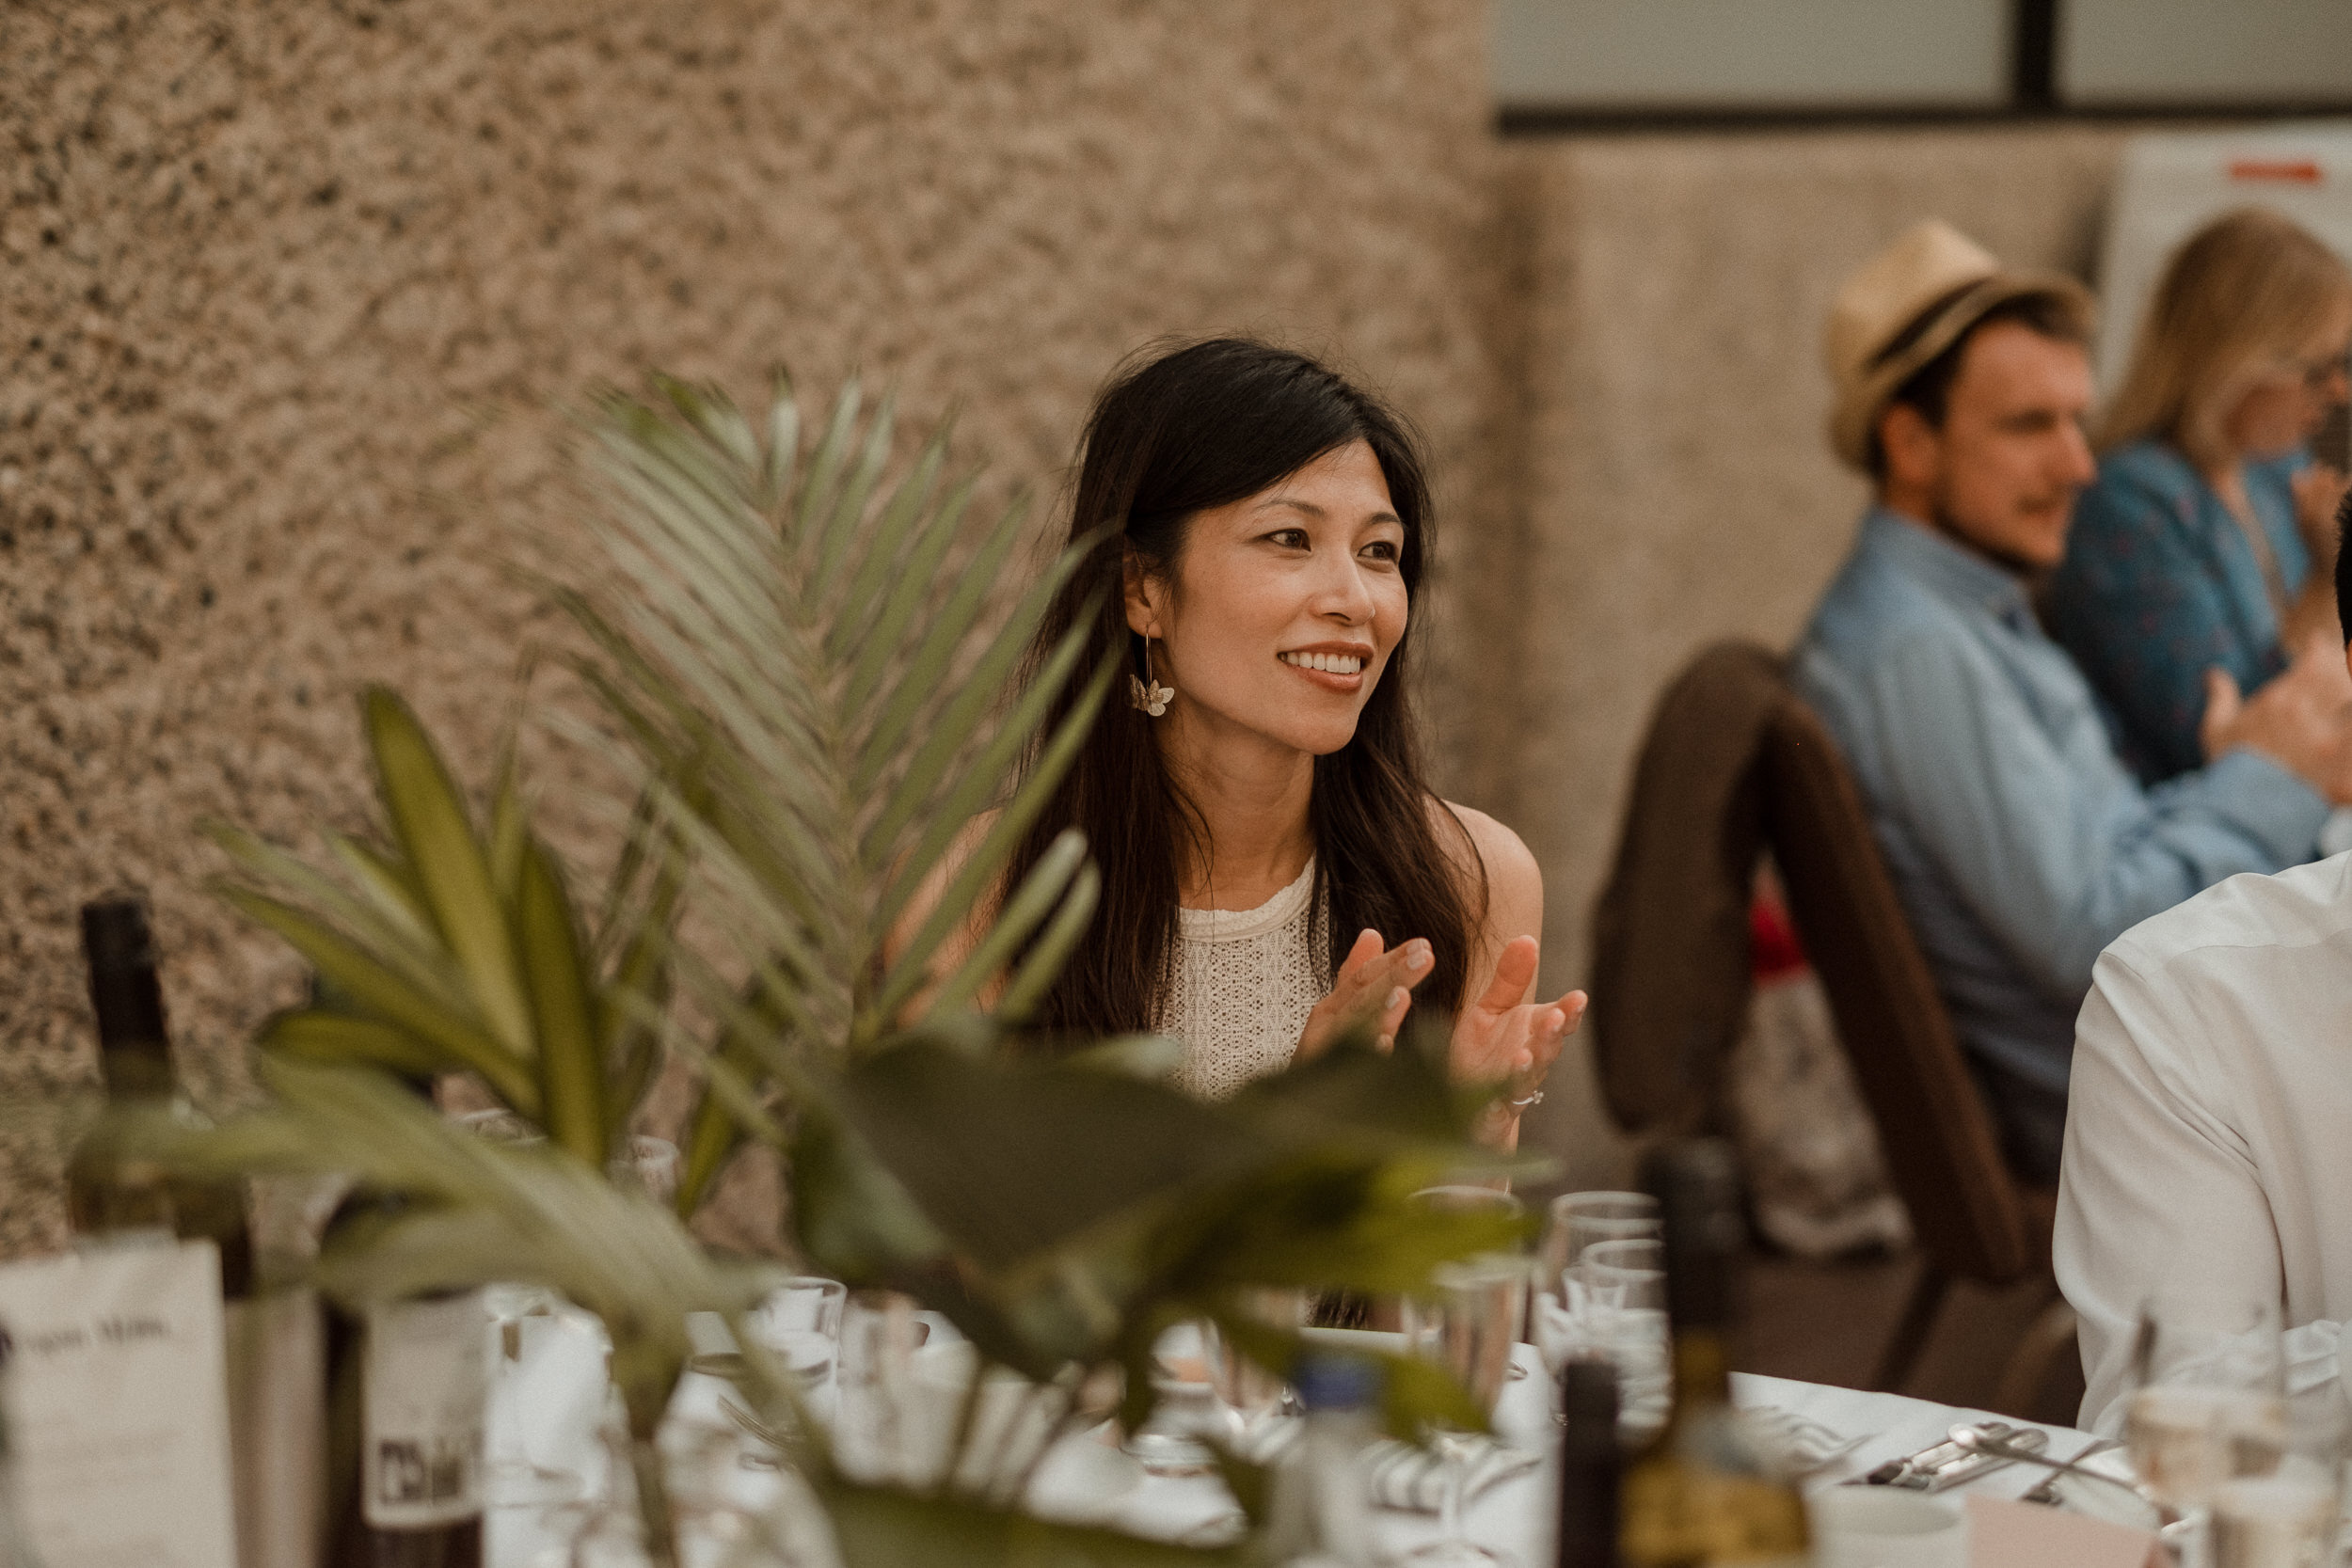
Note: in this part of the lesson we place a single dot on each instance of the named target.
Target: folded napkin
(1410, 1479)
(1795, 1446)
(1414, 1479)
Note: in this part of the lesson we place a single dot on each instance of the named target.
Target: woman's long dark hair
(1177, 431)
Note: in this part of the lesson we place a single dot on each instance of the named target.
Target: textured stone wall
(286, 288)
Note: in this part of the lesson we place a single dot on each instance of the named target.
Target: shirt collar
(1946, 566)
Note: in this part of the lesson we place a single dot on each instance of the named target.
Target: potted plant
(814, 707)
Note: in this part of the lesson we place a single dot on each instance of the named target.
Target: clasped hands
(1496, 1037)
(2301, 719)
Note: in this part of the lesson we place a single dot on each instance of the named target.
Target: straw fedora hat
(1910, 303)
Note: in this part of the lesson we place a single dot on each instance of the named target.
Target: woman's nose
(1344, 594)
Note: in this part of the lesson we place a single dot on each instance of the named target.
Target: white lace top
(1241, 985)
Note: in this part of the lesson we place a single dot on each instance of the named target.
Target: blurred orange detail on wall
(2292, 171)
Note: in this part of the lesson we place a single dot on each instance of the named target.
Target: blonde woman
(2200, 562)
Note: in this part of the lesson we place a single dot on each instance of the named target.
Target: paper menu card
(117, 1407)
(2006, 1534)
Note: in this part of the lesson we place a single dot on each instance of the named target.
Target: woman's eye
(1382, 549)
(1289, 538)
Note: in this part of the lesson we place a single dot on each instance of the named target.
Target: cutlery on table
(1996, 1448)
(2047, 1491)
(1953, 1461)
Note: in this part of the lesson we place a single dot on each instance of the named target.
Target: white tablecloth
(550, 1410)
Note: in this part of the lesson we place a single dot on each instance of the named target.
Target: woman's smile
(1332, 665)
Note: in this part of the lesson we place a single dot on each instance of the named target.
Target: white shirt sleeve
(2158, 1193)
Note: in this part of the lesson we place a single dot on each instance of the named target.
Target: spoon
(1969, 1437)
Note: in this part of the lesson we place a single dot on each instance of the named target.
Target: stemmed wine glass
(1468, 1324)
(1250, 1395)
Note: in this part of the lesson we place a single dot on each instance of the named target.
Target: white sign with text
(117, 1407)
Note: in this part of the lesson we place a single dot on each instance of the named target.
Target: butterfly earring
(1147, 694)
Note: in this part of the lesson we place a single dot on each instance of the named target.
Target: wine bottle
(1591, 1464)
(408, 1386)
(1704, 1494)
(117, 1192)
(16, 1542)
(114, 1189)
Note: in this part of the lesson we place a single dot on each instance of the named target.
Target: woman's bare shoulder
(1478, 842)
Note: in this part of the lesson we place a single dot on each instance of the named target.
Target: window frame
(2034, 27)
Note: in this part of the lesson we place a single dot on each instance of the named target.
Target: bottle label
(427, 1381)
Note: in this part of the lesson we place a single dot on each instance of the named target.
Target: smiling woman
(1274, 869)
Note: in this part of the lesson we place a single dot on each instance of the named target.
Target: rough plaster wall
(1677, 484)
(285, 287)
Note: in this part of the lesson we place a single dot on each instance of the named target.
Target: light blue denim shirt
(2018, 841)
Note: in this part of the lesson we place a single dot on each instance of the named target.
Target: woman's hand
(1498, 1036)
(1373, 990)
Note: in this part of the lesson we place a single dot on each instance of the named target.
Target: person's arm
(1498, 1032)
(1483, 850)
(2159, 1190)
(2048, 839)
(2138, 606)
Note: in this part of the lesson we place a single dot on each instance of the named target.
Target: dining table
(553, 1399)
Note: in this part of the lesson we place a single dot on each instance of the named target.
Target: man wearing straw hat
(2018, 842)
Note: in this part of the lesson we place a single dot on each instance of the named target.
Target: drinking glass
(1622, 1288)
(2209, 1403)
(649, 1164)
(1251, 1395)
(511, 1477)
(876, 1428)
(1468, 1323)
(2289, 1518)
(1470, 1198)
(801, 1320)
(1186, 1408)
(1580, 1219)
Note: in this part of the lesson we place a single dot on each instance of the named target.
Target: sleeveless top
(1240, 984)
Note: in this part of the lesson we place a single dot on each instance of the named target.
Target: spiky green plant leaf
(421, 943)
(437, 838)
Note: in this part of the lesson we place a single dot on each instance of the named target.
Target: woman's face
(1284, 607)
(2287, 408)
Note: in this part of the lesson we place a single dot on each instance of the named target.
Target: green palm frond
(792, 622)
(449, 950)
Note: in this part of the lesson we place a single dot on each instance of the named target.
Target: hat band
(1920, 326)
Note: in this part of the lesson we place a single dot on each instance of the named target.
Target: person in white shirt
(2208, 1149)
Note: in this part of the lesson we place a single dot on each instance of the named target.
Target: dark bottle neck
(1698, 1306)
(1591, 1464)
(134, 1040)
(1702, 1369)
(1696, 1184)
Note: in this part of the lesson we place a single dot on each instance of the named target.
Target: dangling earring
(1147, 694)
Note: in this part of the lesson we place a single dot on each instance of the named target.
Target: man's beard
(2016, 566)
